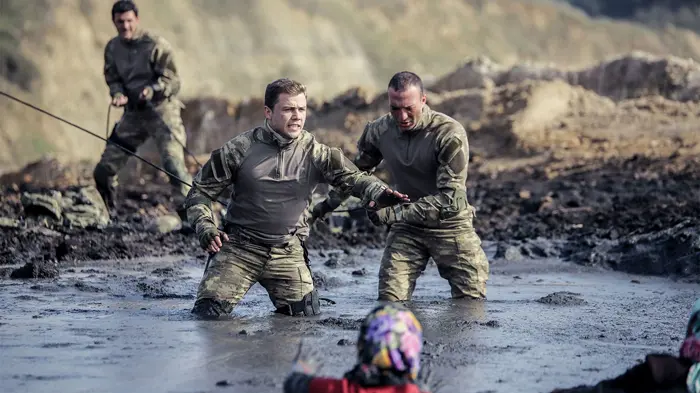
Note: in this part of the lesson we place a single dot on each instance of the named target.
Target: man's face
(126, 24)
(289, 115)
(406, 106)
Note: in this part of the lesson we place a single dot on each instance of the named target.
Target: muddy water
(125, 327)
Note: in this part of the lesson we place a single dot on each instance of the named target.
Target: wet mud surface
(115, 326)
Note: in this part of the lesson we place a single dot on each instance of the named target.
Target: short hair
(405, 79)
(123, 6)
(282, 86)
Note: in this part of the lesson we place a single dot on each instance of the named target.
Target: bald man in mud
(426, 153)
(142, 77)
(273, 169)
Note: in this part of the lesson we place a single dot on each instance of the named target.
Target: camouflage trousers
(456, 252)
(282, 270)
(164, 124)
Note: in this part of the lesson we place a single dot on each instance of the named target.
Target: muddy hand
(426, 380)
(120, 100)
(389, 198)
(307, 361)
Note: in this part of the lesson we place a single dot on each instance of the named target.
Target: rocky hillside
(51, 52)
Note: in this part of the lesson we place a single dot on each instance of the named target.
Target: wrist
(373, 192)
(204, 225)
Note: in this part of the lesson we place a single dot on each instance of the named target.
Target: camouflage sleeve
(214, 177)
(367, 159)
(297, 382)
(162, 58)
(342, 174)
(451, 199)
(112, 78)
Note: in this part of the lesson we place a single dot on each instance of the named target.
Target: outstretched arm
(306, 365)
(367, 159)
(342, 174)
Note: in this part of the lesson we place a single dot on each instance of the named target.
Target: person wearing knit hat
(388, 359)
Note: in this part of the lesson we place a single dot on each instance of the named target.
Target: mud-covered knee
(308, 306)
(208, 308)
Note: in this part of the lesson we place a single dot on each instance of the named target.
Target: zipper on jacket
(408, 147)
(280, 162)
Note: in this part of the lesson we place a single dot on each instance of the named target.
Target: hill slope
(52, 51)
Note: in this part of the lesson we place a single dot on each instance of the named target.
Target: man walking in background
(273, 169)
(140, 71)
(427, 154)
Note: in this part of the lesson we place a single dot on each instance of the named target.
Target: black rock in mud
(323, 281)
(670, 252)
(563, 299)
(36, 270)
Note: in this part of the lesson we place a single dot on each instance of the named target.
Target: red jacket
(332, 385)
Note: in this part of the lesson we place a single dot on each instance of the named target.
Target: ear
(423, 99)
(268, 113)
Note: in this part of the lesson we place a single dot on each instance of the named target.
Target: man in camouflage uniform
(426, 153)
(273, 169)
(141, 74)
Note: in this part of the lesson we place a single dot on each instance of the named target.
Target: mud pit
(574, 190)
(116, 326)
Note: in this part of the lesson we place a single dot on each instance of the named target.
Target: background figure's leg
(129, 135)
(171, 137)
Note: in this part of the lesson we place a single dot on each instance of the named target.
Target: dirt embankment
(594, 173)
(52, 52)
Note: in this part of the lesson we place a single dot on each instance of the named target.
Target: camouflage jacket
(273, 179)
(429, 163)
(147, 60)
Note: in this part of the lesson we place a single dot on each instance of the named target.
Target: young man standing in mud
(426, 153)
(273, 169)
(141, 74)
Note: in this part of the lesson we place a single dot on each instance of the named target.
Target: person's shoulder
(111, 44)
(239, 145)
(158, 40)
(374, 129)
(444, 123)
